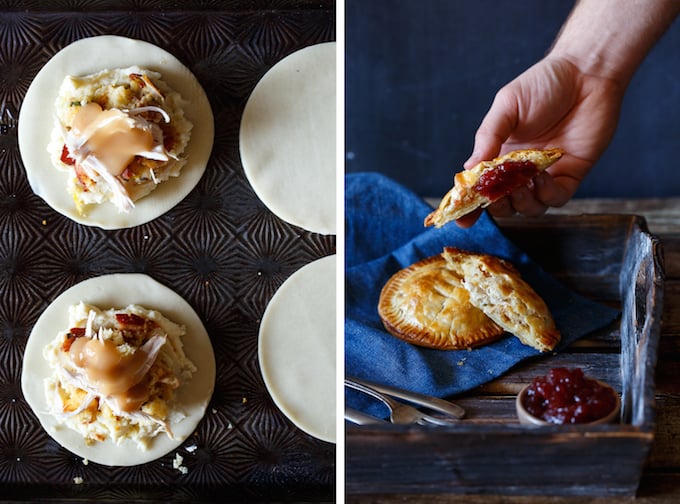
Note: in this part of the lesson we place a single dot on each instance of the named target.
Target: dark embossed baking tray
(220, 248)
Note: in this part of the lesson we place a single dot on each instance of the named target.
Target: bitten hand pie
(489, 181)
(425, 304)
(496, 288)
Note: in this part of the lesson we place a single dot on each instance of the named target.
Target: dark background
(420, 75)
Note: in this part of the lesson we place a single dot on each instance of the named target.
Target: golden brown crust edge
(461, 199)
(471, 328)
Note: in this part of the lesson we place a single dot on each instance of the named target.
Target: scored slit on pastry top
(426, 304)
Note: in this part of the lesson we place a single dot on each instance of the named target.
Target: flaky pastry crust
(497, 289)
(465, 195)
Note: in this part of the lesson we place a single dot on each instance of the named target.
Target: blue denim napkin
(385, 233)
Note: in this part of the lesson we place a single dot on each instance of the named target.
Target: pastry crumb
(191, 448)
(85, 461)
(178, 461)
(78, 480)
(177, 464)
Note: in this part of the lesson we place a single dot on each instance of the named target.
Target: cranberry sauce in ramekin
(567, 396)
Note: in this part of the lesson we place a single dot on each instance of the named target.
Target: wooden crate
(610, 258)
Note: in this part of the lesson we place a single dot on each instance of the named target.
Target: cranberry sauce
(566, 396)
(505, 178)
(66, 156)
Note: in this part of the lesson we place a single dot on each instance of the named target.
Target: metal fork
(400, 413)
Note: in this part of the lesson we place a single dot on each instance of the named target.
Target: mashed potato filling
(119, 133)
(115, 373)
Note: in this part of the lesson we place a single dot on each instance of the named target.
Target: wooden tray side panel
(511, 462)
(584, 253)
(642, 294)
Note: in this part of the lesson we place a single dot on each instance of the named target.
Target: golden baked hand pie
(489, 181)
(425, 304)
(496, 288)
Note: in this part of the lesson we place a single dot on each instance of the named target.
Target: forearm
(610, 38)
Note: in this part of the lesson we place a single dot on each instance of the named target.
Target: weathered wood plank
(585, 254)
(671, 313)
(665, 453)
(489, 410)
(659, 487)
(662, 215)
(671, 245)
(668, 367)
(602, 366)
(501, 461)
(642, 298)
(655, 488)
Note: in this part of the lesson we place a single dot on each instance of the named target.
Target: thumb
(498, 124)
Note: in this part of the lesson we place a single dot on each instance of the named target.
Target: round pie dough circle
(118, 291)
(288, 135)
(36, 121)
(297, 348)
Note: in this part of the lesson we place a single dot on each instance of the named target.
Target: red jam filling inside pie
(505, 178)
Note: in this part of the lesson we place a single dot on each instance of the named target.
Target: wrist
(591, 62)
(610, 38)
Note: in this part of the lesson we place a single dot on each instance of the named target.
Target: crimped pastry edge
(422, 337)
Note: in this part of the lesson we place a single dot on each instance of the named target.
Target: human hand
(552, 104)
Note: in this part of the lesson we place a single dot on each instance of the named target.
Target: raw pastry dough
(287, 139)
(85, 57)
(427, 305)
(297, 346)
(497, 289)
(115, 291)
(488, 181)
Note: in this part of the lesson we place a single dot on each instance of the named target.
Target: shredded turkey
(115, 373)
